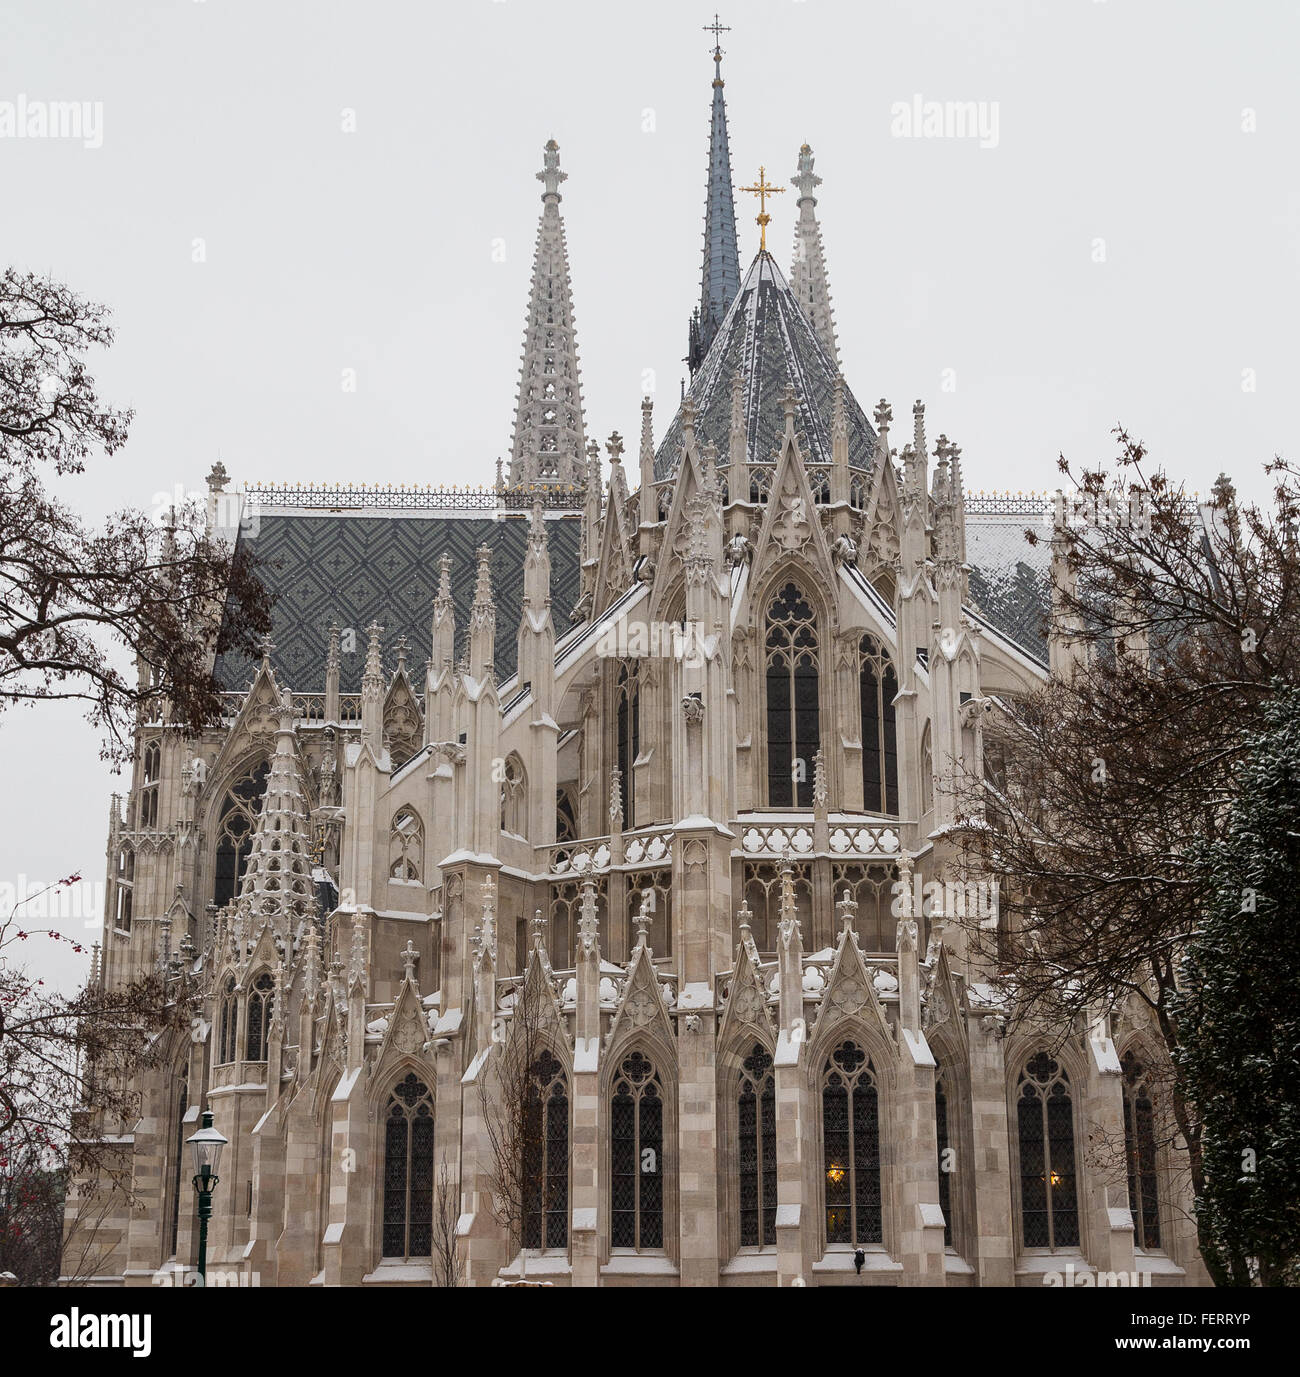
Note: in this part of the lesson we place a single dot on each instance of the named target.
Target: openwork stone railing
(310, 706)
(643, 850)
(846, 839)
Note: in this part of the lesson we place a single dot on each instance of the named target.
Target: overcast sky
(1124, 250)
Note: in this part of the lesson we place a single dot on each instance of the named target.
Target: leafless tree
(1097, 788)
(447, 1265)
(512, 1112)
(69, 1064)
(126, 618)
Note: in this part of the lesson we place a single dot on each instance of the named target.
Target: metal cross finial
(717, 29)
(763, 190)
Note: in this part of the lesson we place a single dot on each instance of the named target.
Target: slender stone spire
(808, 279)
(442, 651)
(649, 513)
(721, 276)
(550, 434)
(373, 687)
(482, 618)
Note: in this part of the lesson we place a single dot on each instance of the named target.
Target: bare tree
(69, 1068)
(512, 1115)
(447, 1265)
(127, 618)
(1183, 620)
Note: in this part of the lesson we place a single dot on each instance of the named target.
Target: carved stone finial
(616, 800)
(409, 959)
(642, 920)
(848, 911)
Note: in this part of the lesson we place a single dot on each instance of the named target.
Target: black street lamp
(206, 1146)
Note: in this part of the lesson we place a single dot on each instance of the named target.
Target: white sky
(374, 250)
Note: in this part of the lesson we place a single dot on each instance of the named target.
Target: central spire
(721, 275)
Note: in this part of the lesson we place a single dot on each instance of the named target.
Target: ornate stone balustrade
(762, 841)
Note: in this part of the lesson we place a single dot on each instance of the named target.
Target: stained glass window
(636, 1156)
(546, 1156)
(261, 1001)
(629, 735)
(793, 721)
(946, 1158)
(878, 685)
(229, 1014)
(851, 1147)
(408, 1170)
(1140, 1152)
(756, 1121)
(1049, 1201)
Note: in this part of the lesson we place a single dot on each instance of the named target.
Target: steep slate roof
(768, 337)
(357, 569)
(1009, 578)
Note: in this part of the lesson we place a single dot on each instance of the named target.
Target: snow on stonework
(645, 770)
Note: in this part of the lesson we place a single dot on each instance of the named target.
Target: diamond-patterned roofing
(357, 569)
(768, 337)
(1010, 578)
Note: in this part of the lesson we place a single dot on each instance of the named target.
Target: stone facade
(688, 841)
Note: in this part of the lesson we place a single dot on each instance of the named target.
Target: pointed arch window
(408, 1170)
(629, 734)
(229, 1022)
(405, 846)
(261, 1002)
(514, 797)
(546, 1156)
(125, 887)
(566, 822)
(636, 1116)
(927, 771)
(877, 688)
(178, 1147)
(947, 1156)
(851, 1147)
(151, 768)
(239, 810)
(1049, 1202)
(793, 722)
(756, 1123)
(1140, 1152)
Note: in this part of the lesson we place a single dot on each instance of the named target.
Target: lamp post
(206, 1146)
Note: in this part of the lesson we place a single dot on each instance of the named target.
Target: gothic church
(680, 767)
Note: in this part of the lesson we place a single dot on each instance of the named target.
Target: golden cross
(763, 190)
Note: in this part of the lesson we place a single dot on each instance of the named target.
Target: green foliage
(1238, 1014)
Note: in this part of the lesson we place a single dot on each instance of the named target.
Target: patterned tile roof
(1009, 578)
(766, 335)
(357, 569)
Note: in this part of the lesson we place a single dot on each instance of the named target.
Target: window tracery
(408, 1170)
(636, 1156)
(756, 1126)
(1049, 1205)
(793, 721)
(405, 846)
(851, 1147)
(878, 685)
(546, 1156)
